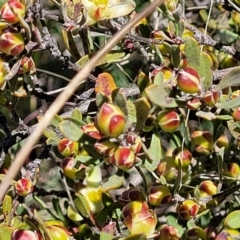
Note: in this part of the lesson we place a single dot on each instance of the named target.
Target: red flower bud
(169, 233)
(130, 195)
(168, 120)
(27, 65)
(188, 209)
(67, 147)
(134, 142)
(23, 234)
(110, 120)
(168, 168)
(11, 43)
(196, 233)
(138, 218)
(232, 170)
(8, 15)
(184, 155)
(68, 167)
(236, 114)
(211, 98)
(203, 141)
(159, 195)
(188, 80)
(92, 131)
(23, 187)
(194, 104)
(207, 188)
(124, 158)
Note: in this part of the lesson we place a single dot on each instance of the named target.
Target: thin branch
(66, 94)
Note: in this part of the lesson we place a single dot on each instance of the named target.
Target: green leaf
(120, 100)
(192, 52)
(50, 178)
(56, 120)
(57, 208)
(82, 205)
(106, 236)
(232, 79)
(70, 130)
(158, 96)
(155, 152)
(5, 232)
(113, 182)
(175, 56)
(229, 104)
(111, 57)
(107, 211)
(7, 208)
(233, 129)
(205, 70)
(233, 220)
(73, 214)
(206, 115)
(172, 221)
(142, 107)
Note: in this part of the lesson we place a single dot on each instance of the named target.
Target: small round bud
(194, 104)
(168, 120)
(207, 188)
(8, 15)
(23, 234)
(67, 148)
(11, 43)
(27, 65)
(124, 158)
(68, 167)
(232, 170)
(169, 233)
(138, 218)
(188, 80)
(184, 155)
(159, 195)
(211, 98)
(111, 120)
(23, 187)
(188, 209)
(203, 141)
(236, 114)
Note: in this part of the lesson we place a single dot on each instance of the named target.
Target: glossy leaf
(233, 220)
(158, 96)
(142, 107)
(70, 130)
(155, 152)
